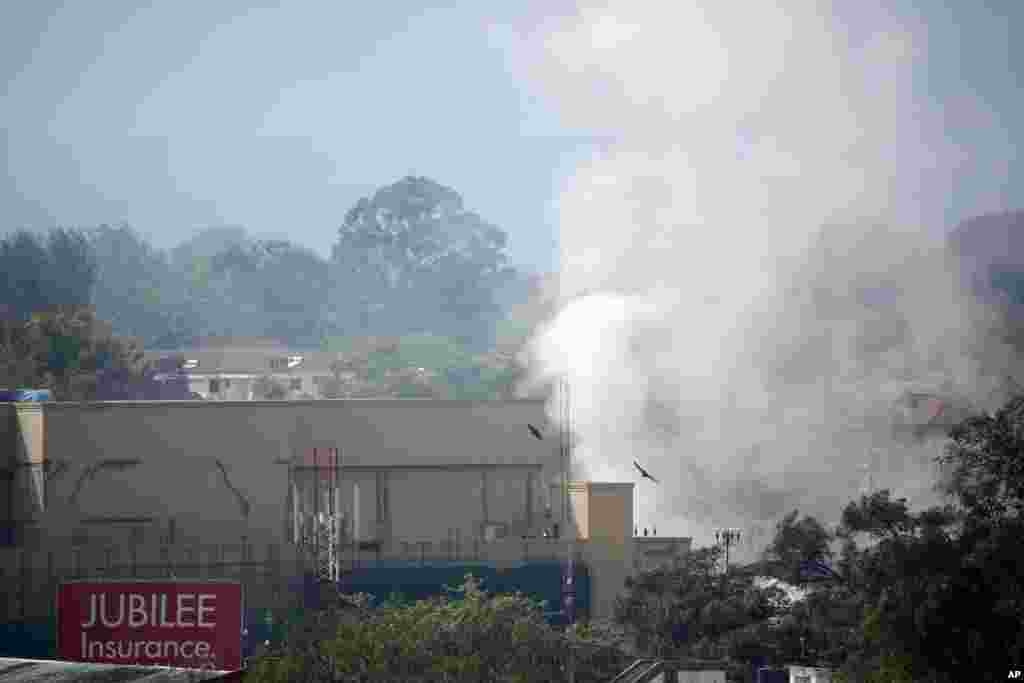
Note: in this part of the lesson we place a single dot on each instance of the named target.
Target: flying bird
(535, 432)
(644, 473)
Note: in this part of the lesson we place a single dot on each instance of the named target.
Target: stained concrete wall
(22, 457)
(428, 473)
(159, 461)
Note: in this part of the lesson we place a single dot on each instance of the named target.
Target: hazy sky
(175, 115)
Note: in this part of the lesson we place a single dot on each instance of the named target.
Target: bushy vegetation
(465, 635)
(933, 596)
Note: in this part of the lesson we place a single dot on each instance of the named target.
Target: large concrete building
(409, 470)
(92, 488)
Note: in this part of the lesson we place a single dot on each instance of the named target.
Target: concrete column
(25, 459)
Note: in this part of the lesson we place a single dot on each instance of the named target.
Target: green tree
(985, 466)
(138, 291)
(412, 259)
(65, 350)
(467, 635)
(927, 596)
(40, 272)
(420, 365)
(690, 612)
(276, 289)
(797, 540)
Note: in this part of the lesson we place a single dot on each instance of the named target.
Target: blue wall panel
(538, 580)
(29, 639)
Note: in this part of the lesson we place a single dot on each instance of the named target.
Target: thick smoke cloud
(753, 269)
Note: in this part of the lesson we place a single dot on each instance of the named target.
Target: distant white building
(809, 674)
(229, 369)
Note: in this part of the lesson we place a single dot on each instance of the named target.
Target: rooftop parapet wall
(221, 469)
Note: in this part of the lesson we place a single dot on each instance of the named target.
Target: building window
(296, 384)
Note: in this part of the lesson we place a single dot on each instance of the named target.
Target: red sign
(195, 625)
(326, 460)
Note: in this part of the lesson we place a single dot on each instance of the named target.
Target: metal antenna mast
(325, 528)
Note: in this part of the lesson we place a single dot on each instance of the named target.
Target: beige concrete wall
(579, 509)
(161, 461)
(22, 459)
(157, 461)
(608, 521)
(602, 515)
(610, 512)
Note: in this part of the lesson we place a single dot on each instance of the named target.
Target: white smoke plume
(753, 268)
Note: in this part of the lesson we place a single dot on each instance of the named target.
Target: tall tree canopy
(410, 262)
(797, 541)
(273, 289)
(411, 258)
(138, 291)
(40, 272)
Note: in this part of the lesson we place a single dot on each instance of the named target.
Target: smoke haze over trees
(411, 264)
(408, 260)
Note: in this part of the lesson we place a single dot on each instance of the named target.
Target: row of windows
(218, 385)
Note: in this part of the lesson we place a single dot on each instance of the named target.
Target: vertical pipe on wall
(339, 531)
(483, 501)
(357, 516)
(296, 508)
(379, 507)
(316, 507)
(288, 524)
(528, 503)
(385, 498)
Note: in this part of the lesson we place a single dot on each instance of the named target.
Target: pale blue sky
(175, 115)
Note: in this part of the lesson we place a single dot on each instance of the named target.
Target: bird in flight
(644, 473)
(535, 432)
